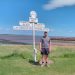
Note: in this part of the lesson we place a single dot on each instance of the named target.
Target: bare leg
(47, 61)
(44, 58)
(47, 58)
(43, 61)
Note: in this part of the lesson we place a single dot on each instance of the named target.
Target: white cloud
(53, 4)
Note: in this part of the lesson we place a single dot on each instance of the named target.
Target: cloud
(53, 4)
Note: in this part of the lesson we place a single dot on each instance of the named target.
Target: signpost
(33, 25)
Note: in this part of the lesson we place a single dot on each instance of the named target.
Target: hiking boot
(47, 64)
(43, 64)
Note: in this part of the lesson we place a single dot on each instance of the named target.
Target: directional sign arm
(21, 28)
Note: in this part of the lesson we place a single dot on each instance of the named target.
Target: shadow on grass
(13, 55)
(20, 56)
(33, 62)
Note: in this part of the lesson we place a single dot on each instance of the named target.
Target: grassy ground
(17, 60)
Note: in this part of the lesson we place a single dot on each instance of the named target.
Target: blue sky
(58, 15)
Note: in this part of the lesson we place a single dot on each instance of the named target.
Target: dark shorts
(45, 51)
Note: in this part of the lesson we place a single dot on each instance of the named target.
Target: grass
(15, 60)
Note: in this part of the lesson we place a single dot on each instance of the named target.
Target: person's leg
(43, 55)
(46, 59)
(43, 61)
(43, 52)
(47, 62)
(42, 58)
(47, 53)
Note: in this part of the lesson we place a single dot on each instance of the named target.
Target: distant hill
(27, 39)
(17, 39)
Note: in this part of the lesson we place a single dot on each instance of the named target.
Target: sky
(57, 15)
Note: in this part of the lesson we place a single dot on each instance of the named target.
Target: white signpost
(33, 25)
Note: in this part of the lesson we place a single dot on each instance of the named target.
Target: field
(18, 60)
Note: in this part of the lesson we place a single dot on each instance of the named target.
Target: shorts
(45, 51)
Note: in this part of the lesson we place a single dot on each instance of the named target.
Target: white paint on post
(35, 50)
(33, 19)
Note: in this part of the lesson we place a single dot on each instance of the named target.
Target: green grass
(14, 60)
